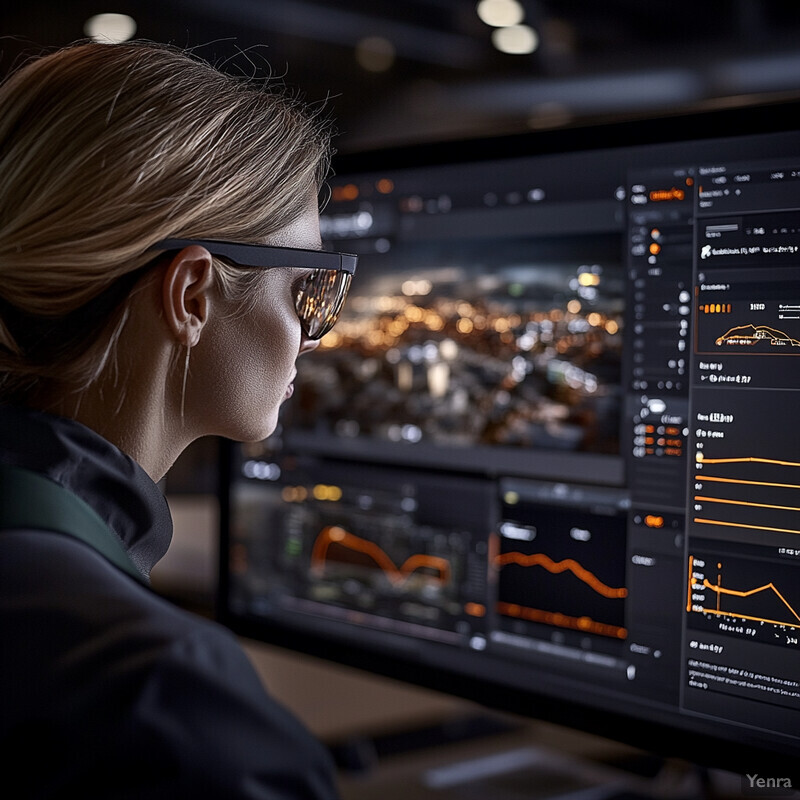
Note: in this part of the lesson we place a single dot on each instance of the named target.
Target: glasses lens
(320, 299)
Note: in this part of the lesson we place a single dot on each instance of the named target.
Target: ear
(185, 293)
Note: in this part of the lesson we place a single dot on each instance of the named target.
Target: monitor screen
(547, 459)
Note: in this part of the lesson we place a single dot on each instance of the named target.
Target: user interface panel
(551, 444)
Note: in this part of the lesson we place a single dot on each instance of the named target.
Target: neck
(139, 415)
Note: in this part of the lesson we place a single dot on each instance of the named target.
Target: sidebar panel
(742, 571)
(660, 242)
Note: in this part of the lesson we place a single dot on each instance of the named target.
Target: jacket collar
(83, 462)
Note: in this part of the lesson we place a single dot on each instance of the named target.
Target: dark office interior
(419, 71)
(434, 101)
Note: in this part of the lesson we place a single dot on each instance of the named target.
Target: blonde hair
(105, 149)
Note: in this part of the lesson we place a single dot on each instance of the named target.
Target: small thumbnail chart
(746, 337)
(370, 554)
(751, 594)
(748, 326)
(752, 336)
(569, 577)
(358, 555)
(340, 554)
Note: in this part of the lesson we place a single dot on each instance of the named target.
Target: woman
(129, 327)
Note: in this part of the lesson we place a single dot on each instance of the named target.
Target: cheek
(250, 367)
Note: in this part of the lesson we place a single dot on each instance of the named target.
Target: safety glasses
(319, 296)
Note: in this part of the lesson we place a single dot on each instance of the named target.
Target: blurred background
(397, 72)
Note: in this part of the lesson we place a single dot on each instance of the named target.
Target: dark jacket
(106, 689)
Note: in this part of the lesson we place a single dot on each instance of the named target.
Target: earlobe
(185, 294)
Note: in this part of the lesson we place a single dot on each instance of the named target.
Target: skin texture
(241, 366)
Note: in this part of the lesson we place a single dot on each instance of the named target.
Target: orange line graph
(701, 459)
(580, 572)
(745, 459)
(747, 483)
(750, 335)
(744, 503)
(700, 521)
(736, 593)
(586, 624)
(397, 575)
(749, 617)
(719, 590)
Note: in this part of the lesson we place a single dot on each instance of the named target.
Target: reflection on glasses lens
(320, 299)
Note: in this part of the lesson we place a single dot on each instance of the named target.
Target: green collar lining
(31, 501)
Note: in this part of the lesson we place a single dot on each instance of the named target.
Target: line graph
(747, 493)
(746, 476)
(571, 579)
(753, 335)
(587, 622)
(744, 503)
(751, 600)
(398, 575)
(748, 459)
(582, 623)
(769, 587)
(729, 524)
(382, 550)
(557, 567)
(712, 479)
(751, 322)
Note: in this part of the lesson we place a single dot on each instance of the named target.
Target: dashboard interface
(551, 444)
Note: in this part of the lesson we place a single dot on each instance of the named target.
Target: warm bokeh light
(515, 40)
(347, 192)
(110, 28)
(375, 54)
(324, 492)
(594, 319)
(500, 13)
(420, 286)
(414, 314)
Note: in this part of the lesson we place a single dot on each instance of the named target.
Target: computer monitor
(548, 458)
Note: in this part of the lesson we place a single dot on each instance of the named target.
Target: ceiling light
(515, 40)
(111, 28)
(500, 13)
(375, 53)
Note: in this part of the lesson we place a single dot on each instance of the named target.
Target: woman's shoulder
(108, 667)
